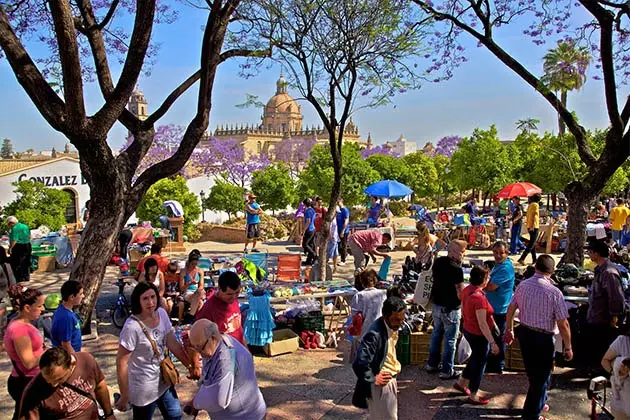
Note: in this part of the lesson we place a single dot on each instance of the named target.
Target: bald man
(229, 389)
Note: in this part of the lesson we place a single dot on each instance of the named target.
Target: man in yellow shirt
(618, 217)
(532, 223)
(376, 365)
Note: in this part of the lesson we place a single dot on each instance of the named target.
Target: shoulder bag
(86, 395)
(168, 372)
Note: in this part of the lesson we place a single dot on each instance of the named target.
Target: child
(171, 293)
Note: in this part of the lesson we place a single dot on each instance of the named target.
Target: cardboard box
(284, 341)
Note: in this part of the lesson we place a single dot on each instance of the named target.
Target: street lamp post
(202, 195)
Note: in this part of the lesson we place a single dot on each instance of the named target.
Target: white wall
(205, 183)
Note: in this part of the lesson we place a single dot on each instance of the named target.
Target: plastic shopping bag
(383, 272)
(463, 350)
(422, 294)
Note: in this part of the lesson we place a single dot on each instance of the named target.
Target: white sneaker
(341, 263)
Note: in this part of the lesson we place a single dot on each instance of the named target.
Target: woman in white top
(137, 365)
(616, 361)
(154, 276)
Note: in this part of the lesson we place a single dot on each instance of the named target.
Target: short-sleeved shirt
(367, 240)
(226, 316)
(320, 213)
(516, 209)
(162, 263)
(369, 302)
(309, 219)
(533, 220)
(374, 212)
(20, 233)
(41, 401)
(143, 368)
(541, 304)
(503, 276)
(474, 299)
(65, 327)
(618, 217)
(342, 216)
(447, 274)
(253, 219)
(606, 298)
(621, 346)
(17, 329)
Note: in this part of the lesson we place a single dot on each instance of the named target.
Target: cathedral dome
(282, 102)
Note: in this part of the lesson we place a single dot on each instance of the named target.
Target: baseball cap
(249, 197)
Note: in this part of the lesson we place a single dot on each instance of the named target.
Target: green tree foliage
(422, 176)
(482, 162)
(444, 186)
(37, 205)
(226, 197)
(6, 151)
(150, 208)
(389, 167)
(274, 187)
(318, 176)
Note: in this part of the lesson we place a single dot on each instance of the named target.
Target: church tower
(138, 105)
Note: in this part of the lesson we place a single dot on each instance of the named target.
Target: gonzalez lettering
(55, 181)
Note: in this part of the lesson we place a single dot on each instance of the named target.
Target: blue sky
(482, 92)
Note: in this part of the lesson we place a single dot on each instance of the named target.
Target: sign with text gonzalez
(55, 180)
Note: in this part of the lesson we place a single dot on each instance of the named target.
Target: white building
(402, 146)
(64, 173)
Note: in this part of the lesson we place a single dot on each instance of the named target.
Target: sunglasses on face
(200, 349)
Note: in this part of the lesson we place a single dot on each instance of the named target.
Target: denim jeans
(538, 352)
(616, 236)
(497, 363)
(515, 237)
(168, 404)
(531, 246)
(477, 361)
(445, 325)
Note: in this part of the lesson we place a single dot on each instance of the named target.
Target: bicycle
(122, 308)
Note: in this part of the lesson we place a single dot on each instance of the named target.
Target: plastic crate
(402, 349)
(419, 346)
(313, 321)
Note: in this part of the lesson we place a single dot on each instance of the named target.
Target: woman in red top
(478, 327)
(22, 340)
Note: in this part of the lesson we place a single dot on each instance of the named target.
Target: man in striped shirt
(542, 311)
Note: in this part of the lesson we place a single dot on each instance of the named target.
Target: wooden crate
(514, 358)
(419, 347)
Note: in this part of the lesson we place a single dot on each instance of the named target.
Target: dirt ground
(316, 384)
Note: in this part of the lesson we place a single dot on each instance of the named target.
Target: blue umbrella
(388, 188)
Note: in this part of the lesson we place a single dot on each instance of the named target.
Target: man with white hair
(229, 389)
(19, 249)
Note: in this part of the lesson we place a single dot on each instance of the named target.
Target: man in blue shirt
(308, 240)
(343, 228)
(253, 212)
(66, 328)
(499, 292)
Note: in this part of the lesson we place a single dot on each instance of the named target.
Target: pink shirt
(368, 240)
(18, 329)
(540, 303)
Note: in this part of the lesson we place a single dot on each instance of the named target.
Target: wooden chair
(289, 267)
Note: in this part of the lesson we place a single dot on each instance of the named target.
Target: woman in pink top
(22, 340)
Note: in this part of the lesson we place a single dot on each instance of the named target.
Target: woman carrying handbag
(146, 374)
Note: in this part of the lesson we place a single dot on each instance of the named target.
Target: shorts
(253, 231)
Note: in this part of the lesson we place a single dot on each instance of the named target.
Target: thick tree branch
(625, 113)
(65, 34)
(48, 103)
(97, 44)
(584, 149)
(105, 118)
(110, 14)
(172, 98)
(606, 22)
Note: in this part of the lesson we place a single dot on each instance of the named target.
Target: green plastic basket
(403, 353)
(313, 321)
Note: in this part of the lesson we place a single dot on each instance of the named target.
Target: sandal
(480, 401)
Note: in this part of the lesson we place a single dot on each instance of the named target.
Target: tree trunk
(554, 201)
(577, 211)
(561, 126)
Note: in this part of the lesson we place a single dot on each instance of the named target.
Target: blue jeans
(477, 361)
(168, 404)
(515, 238)
(497, 363)
(538, 352)
(616, 236)
(445, 325)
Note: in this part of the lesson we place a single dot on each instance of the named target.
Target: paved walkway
(315, 384)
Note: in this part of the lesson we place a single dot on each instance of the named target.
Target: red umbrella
(520, 189)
